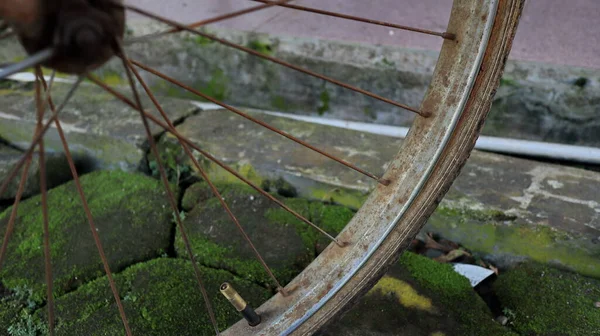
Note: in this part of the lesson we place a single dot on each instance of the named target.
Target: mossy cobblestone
(419, 296)
(544, 301)
(120, 203)
(286, 243)
(160, 297)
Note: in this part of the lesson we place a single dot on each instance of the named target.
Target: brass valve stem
(240, 304)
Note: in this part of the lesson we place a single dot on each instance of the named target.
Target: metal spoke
(445, 35)
(44, 195)
(171, 197)
(424, 114)
(88, 214)
(209, 21)
(13, 214)
(33, 60)
(213, 188)
(259, 122)
(171, 129)
(26, 161)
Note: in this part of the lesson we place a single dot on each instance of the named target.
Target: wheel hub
(84, 33)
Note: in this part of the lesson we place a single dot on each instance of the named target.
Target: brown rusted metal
(384, 214)
(419, 176)
(171, 129)
(259, 122)
(88, 214)
(40, 81)
(213, 188)
(422, 113)
(446, 35)
(170, 195)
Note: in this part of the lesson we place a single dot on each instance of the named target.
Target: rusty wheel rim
(306, 302)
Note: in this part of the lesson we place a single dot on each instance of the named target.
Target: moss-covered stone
(353, 199)
(281, 187)
(515, 240)
(286, 243)
(263, 46)
(418, 297)
(545, 301)
(131, 217)
(160, 297)
(10, 312)
(57, 172)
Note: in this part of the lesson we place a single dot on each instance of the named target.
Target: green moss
(27, 325)
(508, 82)
(388, 63)
(129, 32)
(279, 186)
(198, 40)
(226, 258)
(324, 102)
(279, 103)
(111, 77)
(419, 296)
(464, 214)
(406, 294)
(369, 113)
(331, 218)
(452, 291)
(547, 301)
(7, 85)
(120, 204)
(173, 158)
(435, 276)
(220, 175)
(217, 242)
(224, 247)
(581, 82)
(160, 297)
(539, 243)
(280, 216)
(348, 198)
(201, 40)
(167, 89)
(262, 46)
(217, 86)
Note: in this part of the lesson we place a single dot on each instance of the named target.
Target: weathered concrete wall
(535, 101)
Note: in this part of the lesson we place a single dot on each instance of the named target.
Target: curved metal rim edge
(374, 247)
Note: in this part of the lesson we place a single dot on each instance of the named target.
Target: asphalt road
(551, 31)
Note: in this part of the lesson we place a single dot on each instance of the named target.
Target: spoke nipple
(282, 291)
(342, 243)
(425, 114)
(385, 182)
(449, 36)
(240, 305)
(286, 292)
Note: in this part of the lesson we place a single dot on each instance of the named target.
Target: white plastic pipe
(537, 149)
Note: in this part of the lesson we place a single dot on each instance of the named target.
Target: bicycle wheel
(475, 48)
